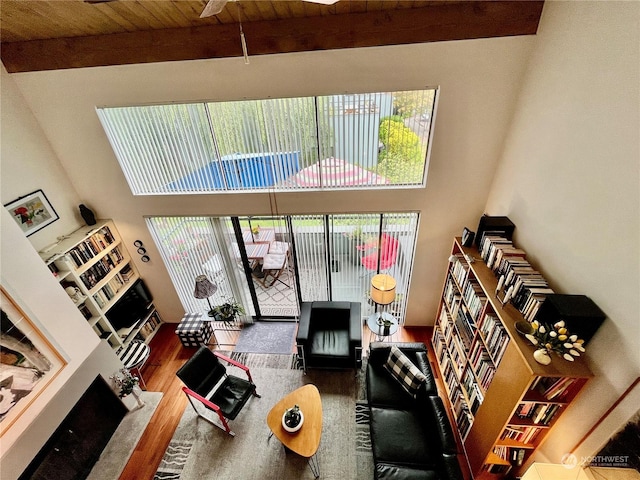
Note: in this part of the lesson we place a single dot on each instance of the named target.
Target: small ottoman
(194, 331)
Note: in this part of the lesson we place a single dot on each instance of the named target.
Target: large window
(369, 140)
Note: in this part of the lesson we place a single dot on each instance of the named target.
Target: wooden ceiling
(59, 34)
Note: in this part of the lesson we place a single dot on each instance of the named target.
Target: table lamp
(204, 289)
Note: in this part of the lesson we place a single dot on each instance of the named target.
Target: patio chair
(388, 251)
(207, 382)
(272, 267)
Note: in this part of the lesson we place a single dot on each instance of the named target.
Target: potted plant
(228, 311)
(292, 419)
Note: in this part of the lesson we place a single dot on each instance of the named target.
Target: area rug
(117, 452)
(267, 337)
(199, 450)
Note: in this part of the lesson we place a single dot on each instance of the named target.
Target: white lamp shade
(383, 289)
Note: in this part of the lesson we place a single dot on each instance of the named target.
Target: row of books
(483, 367)
(538, 413)
(521, 434)
(465, 325)
(515, 456)
(149, 327)
(109, 290)
(474, 297)
(464, 418)
(101, 269)
(459, 268)
(552, 388)
(89, 248)
(457, 348)
(495, 337)
(474, 394)
(451, 295)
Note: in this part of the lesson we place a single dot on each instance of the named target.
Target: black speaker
(581, 315)
(494, 224)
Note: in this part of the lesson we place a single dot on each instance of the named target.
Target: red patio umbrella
(334, 172)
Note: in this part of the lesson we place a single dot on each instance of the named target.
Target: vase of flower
(556, 339)
(128, 389)
(292, 419)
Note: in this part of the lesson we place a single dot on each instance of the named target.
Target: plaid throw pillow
(404, 371)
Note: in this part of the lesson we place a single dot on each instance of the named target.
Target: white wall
(479, 80)
(31, 285)
(29, 163)
(569, 179)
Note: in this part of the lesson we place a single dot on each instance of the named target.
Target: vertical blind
(192, 246)
(369, 140)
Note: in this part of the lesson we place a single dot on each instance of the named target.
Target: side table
(380, 331)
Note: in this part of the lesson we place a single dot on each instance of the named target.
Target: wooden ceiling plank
(166, 13)
(192, 11)
(440, 22)
(43, 25)
(282, 9)
(17, 28)
(267, 10)
(116, 18)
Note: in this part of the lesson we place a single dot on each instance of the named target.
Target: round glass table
(382, 325)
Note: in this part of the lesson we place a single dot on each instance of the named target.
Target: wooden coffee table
(304, 442)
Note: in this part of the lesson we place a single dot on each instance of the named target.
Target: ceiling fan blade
(322, 2)
(213, 7)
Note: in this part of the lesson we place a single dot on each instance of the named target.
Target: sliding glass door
(270, 264)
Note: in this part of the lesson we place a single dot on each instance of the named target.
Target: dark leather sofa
(330, 334)
(411, 438)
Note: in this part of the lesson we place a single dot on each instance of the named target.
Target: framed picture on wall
(29, 362)
(32, 212)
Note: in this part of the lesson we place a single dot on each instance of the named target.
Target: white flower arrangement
(557, 339)
(124, 382)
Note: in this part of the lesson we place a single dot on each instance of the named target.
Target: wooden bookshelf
(498, 393)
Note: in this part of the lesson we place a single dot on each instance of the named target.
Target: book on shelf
(552, 388)
(521, 434)
(495, 337)
(459, 268)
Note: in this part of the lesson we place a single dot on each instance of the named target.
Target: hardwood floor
(159, 373)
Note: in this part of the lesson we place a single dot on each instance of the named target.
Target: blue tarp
(241, 171)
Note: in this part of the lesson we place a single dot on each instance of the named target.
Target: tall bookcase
(504, 403)
(94, 262)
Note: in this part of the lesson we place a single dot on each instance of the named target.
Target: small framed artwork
(29, 362)
(32, 212)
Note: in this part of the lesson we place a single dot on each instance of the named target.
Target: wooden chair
(207, 382)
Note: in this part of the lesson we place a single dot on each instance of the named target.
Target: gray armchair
(330, 335)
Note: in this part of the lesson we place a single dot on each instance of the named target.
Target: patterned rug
(200, 450)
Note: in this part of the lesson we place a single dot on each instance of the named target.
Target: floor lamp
(204, 289)
(383, 291)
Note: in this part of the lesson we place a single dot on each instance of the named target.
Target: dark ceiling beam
(438, 22)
